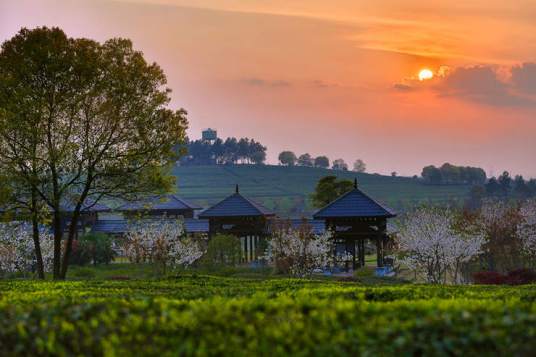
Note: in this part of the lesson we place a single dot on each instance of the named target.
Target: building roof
(236, 205)
(88, 206)
(119, 226)
(161, 202)
(354, 203)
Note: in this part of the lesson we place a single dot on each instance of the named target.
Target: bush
(220, 316)
(93, 248)
(515, 277)
(489, 278)
(223, 251)
(521, 276)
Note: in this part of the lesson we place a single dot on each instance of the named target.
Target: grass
(287, 189)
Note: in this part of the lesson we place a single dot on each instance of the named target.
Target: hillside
(287, 189)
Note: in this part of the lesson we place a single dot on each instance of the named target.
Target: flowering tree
(432, 245)
(300, 250)
(500, 221)
(162, 242)
(526, 229)
(17, 249)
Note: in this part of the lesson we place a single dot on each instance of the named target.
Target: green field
(287, 189)
(209, 315)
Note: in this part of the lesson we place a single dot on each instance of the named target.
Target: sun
(425, 73)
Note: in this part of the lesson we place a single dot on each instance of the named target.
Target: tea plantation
(208, 315)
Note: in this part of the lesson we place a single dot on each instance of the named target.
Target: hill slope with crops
(287, 189)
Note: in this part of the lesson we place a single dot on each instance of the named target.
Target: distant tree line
(219, 152)
(504, 188)
(289, 158)
(449, 174)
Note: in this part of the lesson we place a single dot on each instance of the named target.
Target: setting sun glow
(425, 73)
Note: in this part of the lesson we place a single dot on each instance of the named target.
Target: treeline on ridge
(219, 152)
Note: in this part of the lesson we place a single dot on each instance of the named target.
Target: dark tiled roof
(354, 203)
(88, 206)
(236, 205)
(163, 202)
(119, 226)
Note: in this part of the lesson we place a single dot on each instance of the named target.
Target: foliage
(433, 245)
(299, 251)
(96, 248)
(17, 249)
(81, 120)
(328, 189)
(202, 315)
(306, 160)
(339, 164)
(322, 162)
(526, 229)
(219, 152)
(516, 277)
(287, 158)
(451, 174)
(360, 166)
(162, 242)
(223, 251)
(501, 222)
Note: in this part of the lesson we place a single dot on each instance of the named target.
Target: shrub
(223, 251)
(489, 278)
(93, 248)
(515, 277)
(521, 276)
(220, 316)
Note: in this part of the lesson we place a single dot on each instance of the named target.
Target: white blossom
(526, 229)
(161, 241)
(300, 249)
(432, 245)
(17, 249)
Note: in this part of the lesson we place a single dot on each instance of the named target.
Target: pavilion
(354, 218)
(241, 217)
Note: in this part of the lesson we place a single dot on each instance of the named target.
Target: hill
(287, 189)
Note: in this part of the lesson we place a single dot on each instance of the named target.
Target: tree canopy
(81, 121)
(328, 189)
(287, 158)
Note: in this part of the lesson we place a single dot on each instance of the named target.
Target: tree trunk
(35, 235)
(69, 246)
(58, 235)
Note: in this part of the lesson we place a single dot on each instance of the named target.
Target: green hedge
(211, 316)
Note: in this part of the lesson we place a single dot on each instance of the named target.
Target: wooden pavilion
(355, 218)
(241, 217)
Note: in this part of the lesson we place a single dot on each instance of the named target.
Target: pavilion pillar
(379, 251)
(362, 252)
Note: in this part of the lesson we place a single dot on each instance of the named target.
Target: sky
(337, 78)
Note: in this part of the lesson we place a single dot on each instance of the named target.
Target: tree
(161, 242)
(339, 164)
(360, 166)
(17, 249)
(299, 251)
(322, 162)
(526, 229)
(287, 158)
(432, 245)
(431, 174)
(305, 160)
(99, 113)
(328, 189)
